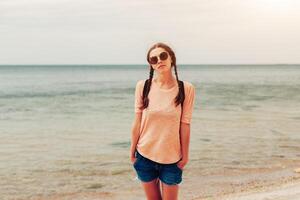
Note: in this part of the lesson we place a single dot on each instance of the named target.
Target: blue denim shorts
(148, 170)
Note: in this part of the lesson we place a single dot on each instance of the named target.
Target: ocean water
(67, 128)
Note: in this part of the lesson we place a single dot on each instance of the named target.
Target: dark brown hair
(179, 98)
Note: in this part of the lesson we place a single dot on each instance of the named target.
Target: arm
(135, 134)
(185, 140)
(136, 125)
(185, 124)
(185, 143)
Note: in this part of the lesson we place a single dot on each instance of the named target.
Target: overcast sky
(121, 31)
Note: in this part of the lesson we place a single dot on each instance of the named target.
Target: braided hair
(180, 96)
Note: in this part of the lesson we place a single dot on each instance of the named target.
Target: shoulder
(140, 85)
(188, 86)
(141, 82)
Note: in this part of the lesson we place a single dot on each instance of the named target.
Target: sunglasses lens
(153, 60)
(163, 56)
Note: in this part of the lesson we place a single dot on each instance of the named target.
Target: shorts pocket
(171, 174)
(178, 167)
(136, 159)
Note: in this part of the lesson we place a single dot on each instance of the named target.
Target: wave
(107, 92)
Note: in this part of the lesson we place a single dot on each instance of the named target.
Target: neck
(166, 78)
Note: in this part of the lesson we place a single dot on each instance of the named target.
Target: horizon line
(147, 64)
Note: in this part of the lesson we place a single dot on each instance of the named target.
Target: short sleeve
(188, 104)
(138, 96)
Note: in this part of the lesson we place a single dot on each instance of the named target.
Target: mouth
(160, 66)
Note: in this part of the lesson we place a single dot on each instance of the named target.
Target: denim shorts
(148, 170)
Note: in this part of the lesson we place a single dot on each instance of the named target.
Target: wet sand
(289, 191)
(281, 183)
(254, 184)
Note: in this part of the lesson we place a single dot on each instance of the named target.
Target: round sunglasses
(162, 56)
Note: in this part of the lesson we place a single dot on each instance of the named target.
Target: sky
(122, 31)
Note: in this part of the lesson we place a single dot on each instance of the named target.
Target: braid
(179, 97)
(145, 98)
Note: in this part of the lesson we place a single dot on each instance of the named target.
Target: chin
(164, 70)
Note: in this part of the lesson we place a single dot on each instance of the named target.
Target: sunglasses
(162, 56)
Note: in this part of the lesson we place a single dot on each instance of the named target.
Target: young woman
(161, 129)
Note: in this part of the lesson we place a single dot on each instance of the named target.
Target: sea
(66, 128)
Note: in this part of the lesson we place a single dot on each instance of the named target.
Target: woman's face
(161, 65)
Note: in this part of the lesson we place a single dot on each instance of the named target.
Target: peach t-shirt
(159, 138)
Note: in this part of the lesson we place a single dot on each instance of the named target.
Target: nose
(158, 60)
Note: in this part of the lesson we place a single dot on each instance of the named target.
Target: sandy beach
(274, 184)
(287, 188)
(259, 184)
(290, 191)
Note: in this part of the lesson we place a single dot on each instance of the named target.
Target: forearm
(185, 140)
(135, 132)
